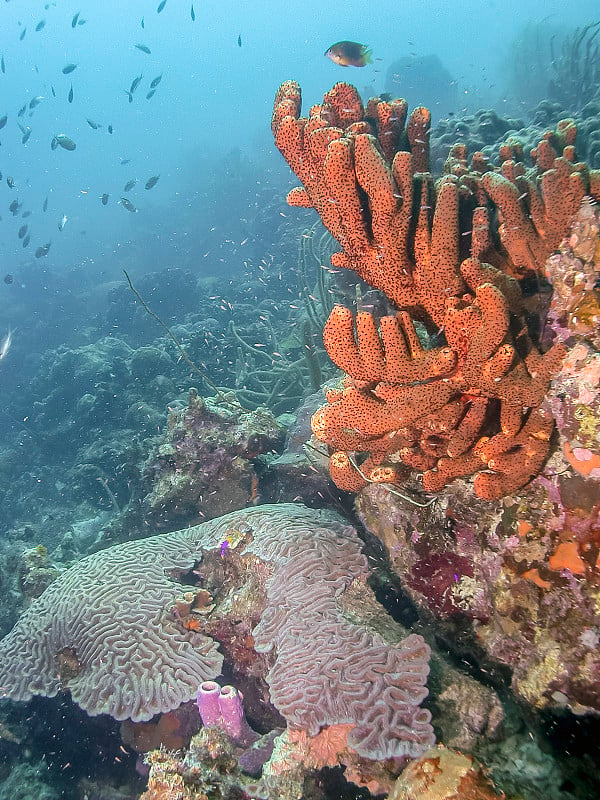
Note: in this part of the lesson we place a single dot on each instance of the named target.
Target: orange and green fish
(349, 54)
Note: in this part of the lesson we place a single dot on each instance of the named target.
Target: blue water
(214, 96)
(211, 220)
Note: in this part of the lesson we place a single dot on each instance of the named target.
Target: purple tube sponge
(222, 706)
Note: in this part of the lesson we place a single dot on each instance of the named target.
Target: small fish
(74, 20)
(70, 95)
(104, 199)
(349, 54)
(240, 40)
(41, 24)
(82, 21)
(135, 83)
(193, 13)
(8, 279)
(43, 251)
(26, 135)
(14, 208)
(10, 181)
(127, 204)
(54, 143)
(62, 223)
(22, 36)
(155, 81)
(35, 101)
(22, 231)
(22, 110)
(26, 241)
(45, 206)
(151, 182)
(150, 94)
(142, 23)
(144, 48)
(25, 214)
(63, 140)
(124, 161)
(2, 65)
(161, 5)
(53, 91)
(5, 345)
(110, 129)
(93, 125)
(68, 69)
(3, 121)
(129, 185)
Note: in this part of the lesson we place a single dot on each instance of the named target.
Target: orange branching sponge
(448, 255)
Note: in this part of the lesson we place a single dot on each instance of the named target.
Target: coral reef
(115, 632)
(433, 250)
(443, 774)
(205, 464)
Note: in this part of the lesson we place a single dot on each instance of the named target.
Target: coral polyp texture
(114, 631)
(449, 255)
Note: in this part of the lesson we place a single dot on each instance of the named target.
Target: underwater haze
(231, 454)
(213, 96)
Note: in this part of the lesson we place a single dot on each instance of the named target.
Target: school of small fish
(63, 141)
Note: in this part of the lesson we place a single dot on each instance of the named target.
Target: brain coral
(106, 631)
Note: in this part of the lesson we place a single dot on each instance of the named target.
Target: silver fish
(104, 198)
(155, 81)
(74, 20)
(93, 125)
(129, 185)
(68, 68)
(62, 223)
(144, 48)
(22, 231)
(3, 121)
(151, 182)
(5, 345)
(35, 101)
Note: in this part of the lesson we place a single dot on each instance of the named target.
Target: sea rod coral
(448, 255)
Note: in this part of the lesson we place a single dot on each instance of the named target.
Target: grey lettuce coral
(108, 631)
